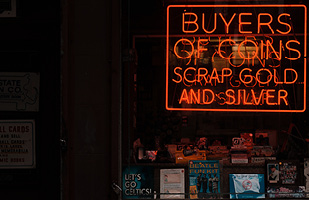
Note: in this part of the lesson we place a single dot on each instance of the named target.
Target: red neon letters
(190, 22)
(240, 61)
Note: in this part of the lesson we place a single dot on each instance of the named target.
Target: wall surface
(30, 42)
(90, 98)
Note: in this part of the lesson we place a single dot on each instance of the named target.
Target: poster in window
(138, 182)
(247, 186)
(287, 170)
(286, 191)
(288, 173)
(306, 174)
(273, 173)
(172, 181)
(204, 179)
(287, 186)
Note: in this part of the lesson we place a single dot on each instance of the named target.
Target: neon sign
(242, 58)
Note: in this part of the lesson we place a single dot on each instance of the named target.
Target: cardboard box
(239, 158)
(262, 151)
(261, 159)
(180, 158)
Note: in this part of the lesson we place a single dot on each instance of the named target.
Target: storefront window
(217, 102)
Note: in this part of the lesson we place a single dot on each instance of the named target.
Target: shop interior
(242, 142)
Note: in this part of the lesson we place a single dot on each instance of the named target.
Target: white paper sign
(17, 144)
(19, 91)
(172, 181)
